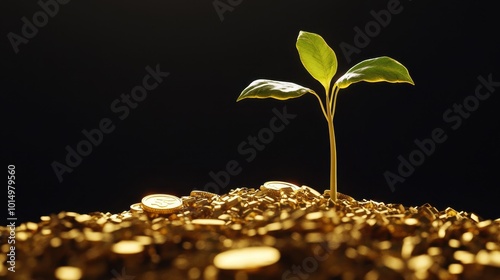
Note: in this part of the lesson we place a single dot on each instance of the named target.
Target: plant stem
(333, 163)
(331, 133)
(321, 104)
(335, 93)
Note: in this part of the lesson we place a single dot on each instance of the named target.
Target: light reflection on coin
(247, 258)
(278, 185)
(136, 207)
(313, 191)
(161, 203)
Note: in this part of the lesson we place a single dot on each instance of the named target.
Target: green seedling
(321, 62)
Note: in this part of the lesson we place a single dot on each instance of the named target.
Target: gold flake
(495, 258)
(411, 221)
(126, 247)
(55, 242)
(393, 262)
(455, 268)
(434, 251)
(45, 218)
(208, 222)
(420, 263)
(467, 236)
(484, 224)
(204, 194)
(483, 257)
(454, 243)
(464, 256)
(247, 258)
(68, 273)
(194, 273)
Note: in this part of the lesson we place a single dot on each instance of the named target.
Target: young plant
(321, 62)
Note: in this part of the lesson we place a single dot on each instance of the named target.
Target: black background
(66, 77)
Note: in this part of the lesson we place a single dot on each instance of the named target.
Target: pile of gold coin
(279, 230)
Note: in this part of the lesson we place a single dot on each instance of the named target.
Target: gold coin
(311, 190)
(278, 185)
(161, 203)
(136, 207)
(202, 194)
(247, 258)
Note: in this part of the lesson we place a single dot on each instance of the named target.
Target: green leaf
(379, 69)
(273, 89)
(317, 57)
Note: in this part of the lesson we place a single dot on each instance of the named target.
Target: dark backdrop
(86, 54)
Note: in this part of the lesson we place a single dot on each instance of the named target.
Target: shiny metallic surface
(264, 233)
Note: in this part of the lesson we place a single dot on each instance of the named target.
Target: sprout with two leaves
(321, 62)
